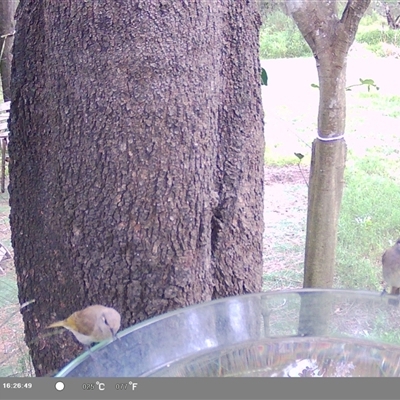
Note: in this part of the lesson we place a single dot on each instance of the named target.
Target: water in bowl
(291, 357)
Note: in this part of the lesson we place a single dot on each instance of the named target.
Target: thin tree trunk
(330, 39)
(326, 177)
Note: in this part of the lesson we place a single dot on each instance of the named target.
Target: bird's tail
(394, 290)
(56, 324)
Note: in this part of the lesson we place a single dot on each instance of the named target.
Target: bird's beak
(114, 335)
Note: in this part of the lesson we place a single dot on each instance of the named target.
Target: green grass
(273, 156)
(369, 220)
(14, 355)
(389, 105)
(285, 253)
(288, 279)
(280, 37)
(14, 360)
(8, 290)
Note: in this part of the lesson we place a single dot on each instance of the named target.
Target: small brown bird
(92, 324)
(391, 267)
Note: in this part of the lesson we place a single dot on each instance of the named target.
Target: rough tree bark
(330, 38)
(7, 26)
(136, 159)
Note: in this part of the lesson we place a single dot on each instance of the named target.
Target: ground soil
(285, 210)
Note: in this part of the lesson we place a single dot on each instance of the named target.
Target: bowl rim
(127, 331)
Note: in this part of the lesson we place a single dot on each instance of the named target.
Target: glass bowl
(307, 332)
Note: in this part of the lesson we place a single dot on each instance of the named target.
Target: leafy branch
(363, 82)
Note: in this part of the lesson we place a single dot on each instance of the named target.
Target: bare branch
(351, 17)
(320, 26)
(355, 9)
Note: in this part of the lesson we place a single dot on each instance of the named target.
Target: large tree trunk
(136, 159)
(7, 26)
(330, 39)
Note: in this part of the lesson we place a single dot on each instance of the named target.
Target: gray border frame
(205, 388)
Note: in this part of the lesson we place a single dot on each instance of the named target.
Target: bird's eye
(111, 329)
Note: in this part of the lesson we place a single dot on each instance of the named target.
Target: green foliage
(264, 77)
(280, 38)
(299, 156)
(371, 21)
(273, 157)
(374, 37)
(363, 82)
(377, 36)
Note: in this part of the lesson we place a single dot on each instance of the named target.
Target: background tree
(136, 159)
(329, 37)
(392, 20)
(7, 26)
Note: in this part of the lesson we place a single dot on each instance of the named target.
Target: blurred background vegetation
(280, 37)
